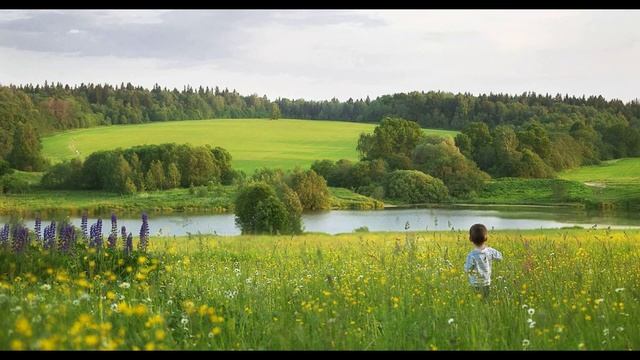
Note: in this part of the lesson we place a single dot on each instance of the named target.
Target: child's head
(478, 234)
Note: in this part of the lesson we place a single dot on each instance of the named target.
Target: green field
(253, 143)
(619, 171)
(555, 289)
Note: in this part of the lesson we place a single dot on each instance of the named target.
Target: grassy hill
(253, 143)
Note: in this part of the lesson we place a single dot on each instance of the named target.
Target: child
(478, 264)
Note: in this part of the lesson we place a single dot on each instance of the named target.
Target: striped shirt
(478, 265)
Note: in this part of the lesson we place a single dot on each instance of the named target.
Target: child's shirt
(478, 265)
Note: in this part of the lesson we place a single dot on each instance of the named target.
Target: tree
(414, 187)
(258, 211)
(444, 161)
(154, 179)
(25, 154)
(173, 176)
(311, 189)
(275, 111)
(393, 137)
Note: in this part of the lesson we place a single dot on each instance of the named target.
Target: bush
(5, 168)
(13, 185)
(259, 211)
(66, 175)
(412, 186)
(311, 189)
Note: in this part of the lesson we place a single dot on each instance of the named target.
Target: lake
(342, 221)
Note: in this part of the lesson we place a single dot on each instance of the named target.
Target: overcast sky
(322, 54)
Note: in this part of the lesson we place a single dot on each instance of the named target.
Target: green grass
(253, 143)
(533, 192)
(218, 199)
(619, 171)
(370, 291)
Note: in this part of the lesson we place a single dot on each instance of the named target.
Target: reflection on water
(341, 221)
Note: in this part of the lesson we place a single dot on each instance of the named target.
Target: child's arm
(497, 255)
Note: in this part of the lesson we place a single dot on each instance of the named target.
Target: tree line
(28, 112)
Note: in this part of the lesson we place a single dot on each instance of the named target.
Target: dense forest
(606, 128)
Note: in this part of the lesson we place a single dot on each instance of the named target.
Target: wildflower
(114, 307)
(16, 345)
(45, 287)
(619, 290)
(605, 332)
(160, 334)
(581, 346)
(216, 331)
(450, 321)
(144, 233)
(532, 324)
(91, 340)
(23, 327)
(598, 301)
(531, 311)
(184, 321)
(525, 343)
(125, 285)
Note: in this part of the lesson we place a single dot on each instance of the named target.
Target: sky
(322, 54)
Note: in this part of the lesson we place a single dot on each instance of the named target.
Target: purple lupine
(114, 225)
(4, 235)
(20, 238)
(38, 227)
(124, 233)
(144, 233)
(50, 236)
(112, 240)
(67, 237)
(128, 246)
(84, 226)
(99, 233)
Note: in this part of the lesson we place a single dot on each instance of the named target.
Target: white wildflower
(524, 306)
(531, 311)
(525, 342)
(605, 332)
(618, 290)
(45, 287)
(76, 302)
(532, 325)
(184, 321)
(114, 307)
(450, 321)
(125, 285)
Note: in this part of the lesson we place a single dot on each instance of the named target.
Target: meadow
(253, 143)
(565, 289)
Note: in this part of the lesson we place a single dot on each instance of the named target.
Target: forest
(599, 129)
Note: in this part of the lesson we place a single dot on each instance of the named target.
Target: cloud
(325, 53)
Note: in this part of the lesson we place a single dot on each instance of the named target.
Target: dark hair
(478, 234)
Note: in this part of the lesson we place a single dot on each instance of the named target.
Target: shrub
(311, 189)
(66, 175)
(259, 211)
(13, 185)
(414, 186)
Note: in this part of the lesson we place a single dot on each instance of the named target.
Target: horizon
(325, 54)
